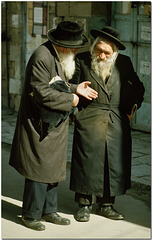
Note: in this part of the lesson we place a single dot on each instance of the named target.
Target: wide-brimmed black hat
(109, 33)
(68, 34)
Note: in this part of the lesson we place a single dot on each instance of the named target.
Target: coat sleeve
(41, 74)
(138, 86)
(132, 91)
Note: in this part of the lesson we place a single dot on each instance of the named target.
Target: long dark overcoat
(41, 160)
(103, 126)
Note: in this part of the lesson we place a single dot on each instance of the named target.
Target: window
(40, 18)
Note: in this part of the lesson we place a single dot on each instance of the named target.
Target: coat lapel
(57, 63)
(58, 69)
(99, 81)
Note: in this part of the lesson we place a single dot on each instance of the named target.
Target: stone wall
(18, 41)
(11, 53)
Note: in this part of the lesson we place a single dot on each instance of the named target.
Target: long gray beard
(103, 68)
(68, 64)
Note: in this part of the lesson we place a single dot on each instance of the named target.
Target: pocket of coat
(49, 143)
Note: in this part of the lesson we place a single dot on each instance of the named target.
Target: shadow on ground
(11, 212)
(131, 205)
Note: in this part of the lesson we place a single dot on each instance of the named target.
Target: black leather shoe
(83, 214)
(109, 212)
(33, 224)
(55, 218)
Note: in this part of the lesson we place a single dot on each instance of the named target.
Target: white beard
(103, 68)
(68, 64)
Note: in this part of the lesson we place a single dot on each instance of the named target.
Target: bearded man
(42, 161)
(101, 158)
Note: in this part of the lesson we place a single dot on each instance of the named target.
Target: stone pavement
(141, 148)
(137, 213)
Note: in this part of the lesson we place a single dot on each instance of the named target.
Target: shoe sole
(121, 218)
(112, 218)
(82, 220)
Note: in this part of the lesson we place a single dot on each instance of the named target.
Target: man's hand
(75, 100)
(84, 90)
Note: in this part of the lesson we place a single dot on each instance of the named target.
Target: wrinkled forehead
(105, 43)
(101, 40)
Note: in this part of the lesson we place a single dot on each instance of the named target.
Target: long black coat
(41, 159)
(102, 125)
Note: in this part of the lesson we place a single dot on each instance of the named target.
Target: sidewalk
(141, 148)
(137, 212)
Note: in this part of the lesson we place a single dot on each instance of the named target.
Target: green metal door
(132, 19)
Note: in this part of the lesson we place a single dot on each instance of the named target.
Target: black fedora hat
(68, 34)
(109, 33)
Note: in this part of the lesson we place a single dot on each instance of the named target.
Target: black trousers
(38, 199)
(107, 199)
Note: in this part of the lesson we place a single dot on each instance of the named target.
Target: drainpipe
(7, 54)
(23, 37)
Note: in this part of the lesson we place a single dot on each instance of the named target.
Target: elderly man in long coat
(101, 159)
(38, 154)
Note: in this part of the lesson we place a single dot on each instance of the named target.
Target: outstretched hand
(84, 90)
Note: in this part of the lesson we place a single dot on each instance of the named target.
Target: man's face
(69, 50)
(66, 51)
(103, 57)
(103, 51)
